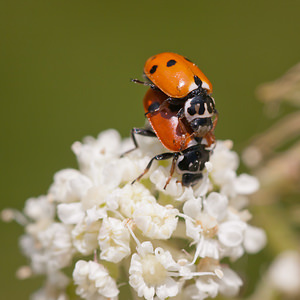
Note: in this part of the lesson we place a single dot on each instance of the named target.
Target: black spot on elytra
(171, 63)
(153, 69)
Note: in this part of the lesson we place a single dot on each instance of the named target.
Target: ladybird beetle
(186, 86)
(188, 153)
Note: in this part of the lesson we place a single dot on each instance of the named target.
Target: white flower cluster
(170, 242)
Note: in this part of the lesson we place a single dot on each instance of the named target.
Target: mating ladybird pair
(181, 112)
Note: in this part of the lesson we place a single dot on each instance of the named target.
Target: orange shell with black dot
(174, 74)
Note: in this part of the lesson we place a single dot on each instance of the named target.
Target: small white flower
(246, 184)
(132, 196)
(209, 286)
(231, 233)
(224, 162)
(255, 239)
(70, 213)
(204, 186)
(149, 272)
(97, 202)
(49, 249)
(99, 159)
(216, 206)
(69, 186)
(28, 245)
(213, 219)
(240, 185)
(114, 240)
(95, 197)
(93, 281)
(230, 283)
(284, 273)
(84, 236)
(97, 151)
(156, 221)
(187, 194)
(192, 292)
(186, 268)
(223, 174)
(193, 209)
(159, 178)
(239, 202)
(201, 226)
(39, 208)
(53, 249)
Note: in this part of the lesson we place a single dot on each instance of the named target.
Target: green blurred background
(65, 70)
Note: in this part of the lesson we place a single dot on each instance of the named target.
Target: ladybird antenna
(142, 82)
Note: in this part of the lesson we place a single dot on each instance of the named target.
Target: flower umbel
(139, 227)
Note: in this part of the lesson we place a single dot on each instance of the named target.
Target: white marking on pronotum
(205, 85)
(193, 86)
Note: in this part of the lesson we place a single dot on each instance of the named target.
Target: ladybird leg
(180, 113)
(210, 136)
(215, 120)
(175, 158)
(165, 104)
(183, 143)
(183, 128)
(140, 131)
(181, 116)
(162, 156)
(144, 83)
